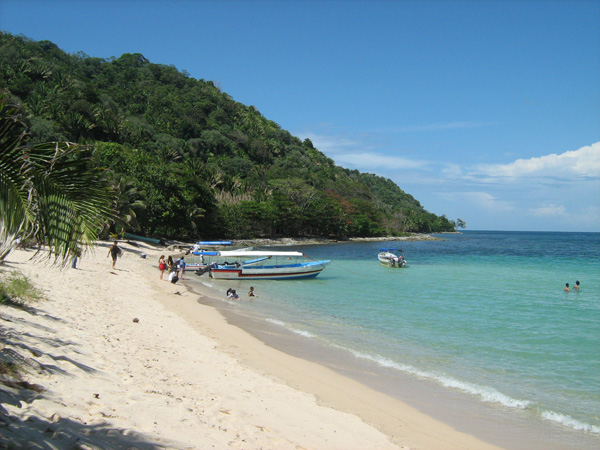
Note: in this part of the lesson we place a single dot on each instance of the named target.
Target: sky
(487, 111)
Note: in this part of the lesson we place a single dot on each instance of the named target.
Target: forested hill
(187, 160)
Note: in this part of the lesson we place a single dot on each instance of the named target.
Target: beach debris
(96, 395)
(136, 320)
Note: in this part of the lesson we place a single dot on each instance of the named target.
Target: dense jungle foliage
(188, 161)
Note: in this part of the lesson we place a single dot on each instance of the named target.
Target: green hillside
(187, 160)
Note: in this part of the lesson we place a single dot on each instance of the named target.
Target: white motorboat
(391, 257)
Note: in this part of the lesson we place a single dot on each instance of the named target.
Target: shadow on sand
(36, 432)
(55, 432)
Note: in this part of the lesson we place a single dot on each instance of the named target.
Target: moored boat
(392, 257)
(262, 265)
(135, 237)
(213, 243)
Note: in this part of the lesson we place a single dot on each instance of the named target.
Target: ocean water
(483, 313)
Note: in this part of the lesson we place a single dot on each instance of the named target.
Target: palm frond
(49, 192)
(14, 184)
(72, 199)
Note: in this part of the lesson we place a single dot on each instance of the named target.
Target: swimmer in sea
(576, 287)
(567, 287)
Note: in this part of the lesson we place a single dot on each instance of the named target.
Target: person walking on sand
(567, 287)
(114, 251)
(162, 265)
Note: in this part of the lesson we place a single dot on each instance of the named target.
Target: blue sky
(488, 111)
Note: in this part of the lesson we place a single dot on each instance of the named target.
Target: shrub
(17, 290)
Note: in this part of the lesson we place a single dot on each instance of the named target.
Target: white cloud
(452, 170)
(582, 163)
(331, 145)
(354, 153)
(482, 200)
(440, 126)
(588, 218)
(370, 161)
(549, 211)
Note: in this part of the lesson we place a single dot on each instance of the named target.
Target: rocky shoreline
(174, 246)
(311, 241)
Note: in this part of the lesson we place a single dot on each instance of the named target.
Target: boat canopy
(257, 253)
(391, 250)
(246, 253)
(214, 243)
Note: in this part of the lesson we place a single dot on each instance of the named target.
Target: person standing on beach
(114, 251)
(181, 268)
(78, 255)
(162, 265)
(170, 263)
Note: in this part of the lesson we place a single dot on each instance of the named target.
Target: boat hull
(134, 237)
(284, 272)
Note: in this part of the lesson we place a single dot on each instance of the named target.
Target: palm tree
(129, 202)
(49, 193)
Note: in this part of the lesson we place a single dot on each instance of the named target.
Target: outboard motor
(202, 271)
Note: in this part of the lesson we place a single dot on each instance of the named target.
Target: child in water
(231, 294)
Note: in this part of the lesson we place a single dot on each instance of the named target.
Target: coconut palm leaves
(130, 201)
(48, 193)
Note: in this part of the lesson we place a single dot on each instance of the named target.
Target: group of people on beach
(575, 288)
(233, 295)
(176, 269)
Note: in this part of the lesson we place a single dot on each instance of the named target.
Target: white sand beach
(127, 361)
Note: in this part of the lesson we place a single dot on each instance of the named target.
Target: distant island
(186, 161)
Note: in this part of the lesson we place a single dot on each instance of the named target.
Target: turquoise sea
(482, 313)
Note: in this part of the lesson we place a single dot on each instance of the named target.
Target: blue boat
(263, 265)
(213, 243)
